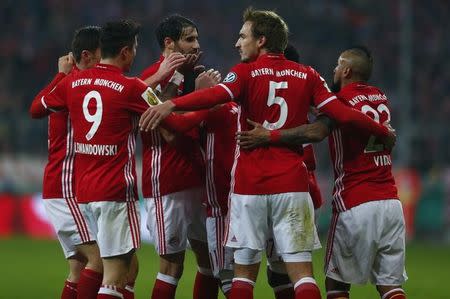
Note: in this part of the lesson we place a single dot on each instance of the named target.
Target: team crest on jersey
(231, 77)
(150, 97)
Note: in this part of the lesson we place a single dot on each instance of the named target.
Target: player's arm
(260, 136)
(200, 99)
(65, 65)
(167, 67)
(329, 104)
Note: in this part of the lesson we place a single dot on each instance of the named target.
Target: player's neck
(112, 61)
(349, 81)
(166, 52)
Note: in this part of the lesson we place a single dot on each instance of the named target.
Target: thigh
(292, 217)
(389, 264)
(168, 222)
(248, 225)
(221, 257)
(196, 213)
(352, 245)
(70, 225)
(118, 227)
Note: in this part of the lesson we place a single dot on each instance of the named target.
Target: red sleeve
(150, 71)
(142, 97)
(203, 99)
(308, 157)
(235, 80)
(321, 93)
(343, 114)
(186, 121)
(51, 98)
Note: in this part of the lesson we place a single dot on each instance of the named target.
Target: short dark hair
(85, 38)
(269, 24)
(116, 35)
(291, 53)
(172, 26)
(363, 61)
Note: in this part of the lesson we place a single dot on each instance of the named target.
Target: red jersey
(58, 173)
(362, 167)
(168, 168)
(277, 93)
(104, 106)
(221, 127)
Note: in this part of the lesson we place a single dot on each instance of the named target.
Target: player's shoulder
(151, 69)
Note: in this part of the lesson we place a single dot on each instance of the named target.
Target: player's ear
(347, 72)
(261, 41)
(169, 43)
(125, 52)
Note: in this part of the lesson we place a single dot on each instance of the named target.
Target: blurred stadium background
(407, 39)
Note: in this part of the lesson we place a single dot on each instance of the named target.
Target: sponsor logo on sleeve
(230, 78)
(150, 97)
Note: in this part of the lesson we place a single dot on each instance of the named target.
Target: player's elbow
(317, 132)
(37, 111)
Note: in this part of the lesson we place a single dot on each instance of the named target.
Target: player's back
(362, 166)
(104, 107)
(277, 93)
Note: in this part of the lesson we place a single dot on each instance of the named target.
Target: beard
(336, 86)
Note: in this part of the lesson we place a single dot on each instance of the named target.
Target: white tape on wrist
(177, 78)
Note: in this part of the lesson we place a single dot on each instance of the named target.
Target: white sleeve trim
(43, 103)
(326, 102)
(228, 90)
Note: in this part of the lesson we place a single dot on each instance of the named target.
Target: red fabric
(169, 168)
(278, 93)
(362, 167)
(285, 294)
(307, 290)
(58, 173)
(314, 190)
(220, 149)
(185, 122)
(128, 294)
(104, 115)
(308, 157)
(343, 115)
(202, 99)
(69, 290)
(400, 294)
(37, 110)
(241, 290)
(338, 295)
(275, 136)
(163, 290)
(205, 287)
(89, 284)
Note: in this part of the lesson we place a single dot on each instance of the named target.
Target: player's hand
(65, 63)
(257, 137)
(207, 79)
(389, 141)
(170, 64)
(190, 63)
(151, 118)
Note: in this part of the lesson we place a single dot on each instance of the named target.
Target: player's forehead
(189, 32)
(246, 28)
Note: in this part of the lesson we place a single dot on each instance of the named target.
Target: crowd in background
(35, 33)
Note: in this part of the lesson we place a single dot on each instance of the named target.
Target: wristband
(275, 136)
(176, 78)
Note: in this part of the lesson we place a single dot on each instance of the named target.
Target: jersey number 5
(372, 146)
(95, 118)
(274, 100)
